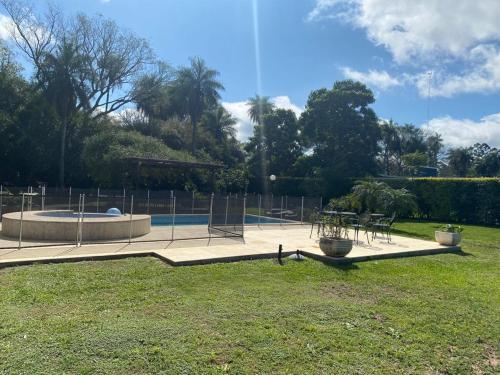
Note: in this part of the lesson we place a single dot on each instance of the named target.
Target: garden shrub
(468, 200)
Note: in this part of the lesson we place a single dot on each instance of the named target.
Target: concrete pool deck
(259, 243)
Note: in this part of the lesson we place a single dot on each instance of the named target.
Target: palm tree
(259, 107)
(198, 89)
(220, 123)
(63, 89)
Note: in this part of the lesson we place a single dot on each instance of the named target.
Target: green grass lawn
(429, 315)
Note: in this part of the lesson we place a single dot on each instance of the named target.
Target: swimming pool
(166, 220)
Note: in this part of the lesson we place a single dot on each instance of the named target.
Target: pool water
(163, 220)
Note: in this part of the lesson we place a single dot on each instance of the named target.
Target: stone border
(51, 228)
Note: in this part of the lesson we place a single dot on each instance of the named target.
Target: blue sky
(308, 44)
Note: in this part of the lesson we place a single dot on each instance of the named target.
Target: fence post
(30, 198)
(21, 223)
(43, 198)
(244, 215)
(69, 199)
(1, 201)
(302, 211)
(260, 204)
(81, 220)
(272, 199)
(131, 214)
(227, 207)
(172, 196)
(281, 211)
(192, 204)
(147, 203)
(78, 221)
(123, 201)
(98, 196)
(210, 217)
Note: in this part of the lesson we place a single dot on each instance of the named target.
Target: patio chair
(361, 222)
(384, 225)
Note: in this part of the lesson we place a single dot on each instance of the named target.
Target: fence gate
(227, 216)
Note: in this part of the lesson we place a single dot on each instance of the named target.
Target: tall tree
(220, 123)
(459, 161)
(342, 129)
(434, 144)
(103, 61)
(259, 107)
(274, 147)
(197, 87)
(390, 145)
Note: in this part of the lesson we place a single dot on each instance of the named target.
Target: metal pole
(244, 215)
(227, 207)
(192, 204)
(210, 217)
(82, 215)
(320, 204)
(21, 223)
(69, 199)
(78, 221)
(123, 201)
(281, 210)
(131, 214)
(260, 204)
(98, 195)
(43, 198)
(30, 198)
(272, 199)
(1, 201)
(302, 211)
(173, 215)
(147, 203)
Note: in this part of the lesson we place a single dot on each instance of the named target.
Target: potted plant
(332, 241)
(449, 235)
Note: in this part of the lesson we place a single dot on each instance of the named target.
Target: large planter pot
(447, 238)
(334, 247)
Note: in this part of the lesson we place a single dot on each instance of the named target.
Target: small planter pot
(447, 238)
(334, 247)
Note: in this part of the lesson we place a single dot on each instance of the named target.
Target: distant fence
(176, 215)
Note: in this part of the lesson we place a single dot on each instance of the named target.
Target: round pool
(62, 226)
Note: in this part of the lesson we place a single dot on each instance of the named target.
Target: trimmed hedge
(462, 200)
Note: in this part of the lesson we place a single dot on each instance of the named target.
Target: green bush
(467, 200)
(375, 196)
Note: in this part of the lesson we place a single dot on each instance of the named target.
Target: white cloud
(410, 29)
(465, 132)
(284, 102)
(5, 26)
(462, 36)
(482, 75)
(244, 126)
(375, 78)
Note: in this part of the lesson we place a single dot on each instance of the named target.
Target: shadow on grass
(464, 254)
(342, 266)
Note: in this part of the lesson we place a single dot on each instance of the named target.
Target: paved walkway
(259, 243)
